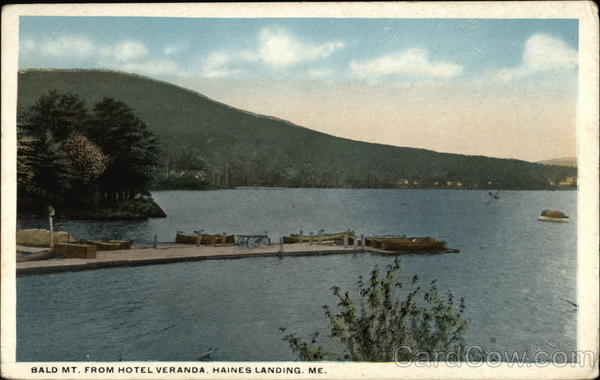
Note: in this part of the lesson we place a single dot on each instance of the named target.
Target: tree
(25, 150)
(45, 168)
(87, 163)
(52, 170)
(61, 114)
(132, 149)
(87, 159)
(383, 323)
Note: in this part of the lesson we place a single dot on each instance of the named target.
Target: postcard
(300, 190)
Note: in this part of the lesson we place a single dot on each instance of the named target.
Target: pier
(180, 253)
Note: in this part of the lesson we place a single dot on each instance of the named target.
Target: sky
(496, 87)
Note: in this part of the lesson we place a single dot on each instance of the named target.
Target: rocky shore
(127, 209)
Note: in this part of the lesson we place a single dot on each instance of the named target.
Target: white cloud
(542, 53)
(175, 48)
(217, 65)
(153, 67)
(279, 49)
(65, 46)
(408, 62)
(127, 50)
(275, 48)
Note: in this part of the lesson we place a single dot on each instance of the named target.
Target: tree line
(71, 155)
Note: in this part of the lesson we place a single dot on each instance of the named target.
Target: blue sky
(295, 61)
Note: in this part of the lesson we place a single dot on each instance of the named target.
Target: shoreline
(133, 209)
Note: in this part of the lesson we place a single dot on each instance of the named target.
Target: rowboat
(110, 245)
(205, 239)
(123, 244)
(407, 244)
(553, 216)
(316, 238)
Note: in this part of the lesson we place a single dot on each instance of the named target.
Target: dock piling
(346, 241)
(362, 242)
(281, 245)
(155, 242)
(310, 238)
(50, 215)
(355, 245)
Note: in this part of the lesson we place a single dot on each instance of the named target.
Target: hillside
(239, 148)
(564, 161)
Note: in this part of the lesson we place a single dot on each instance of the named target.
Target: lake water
(514, 272)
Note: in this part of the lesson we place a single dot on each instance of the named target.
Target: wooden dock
(178, 253)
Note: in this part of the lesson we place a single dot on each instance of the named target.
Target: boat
(109, 245)
(205, 239)
(553, 216)
(407, 244)
(124, 244)
(296, 238)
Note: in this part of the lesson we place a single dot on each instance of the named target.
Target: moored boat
(110, 245)
(205, 239)
(407, 244)
(553, 216)
(296, 238)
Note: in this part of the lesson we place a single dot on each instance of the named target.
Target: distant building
(449, 183)
(569, 181)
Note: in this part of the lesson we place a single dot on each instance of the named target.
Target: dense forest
(210, 145)
(72, 157)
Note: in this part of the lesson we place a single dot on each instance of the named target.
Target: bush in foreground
(384, 326)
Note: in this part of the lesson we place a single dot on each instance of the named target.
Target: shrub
(383, 322)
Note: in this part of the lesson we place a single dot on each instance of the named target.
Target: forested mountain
(210, 144)
(564, 161)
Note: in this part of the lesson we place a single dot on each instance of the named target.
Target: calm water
(514, 272)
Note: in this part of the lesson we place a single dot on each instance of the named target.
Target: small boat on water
(205, 239)
(296, 238)
(407, 244)
(553, 216)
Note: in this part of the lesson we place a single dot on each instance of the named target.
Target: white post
(355, 242)
(50, 215)
(362, 241)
